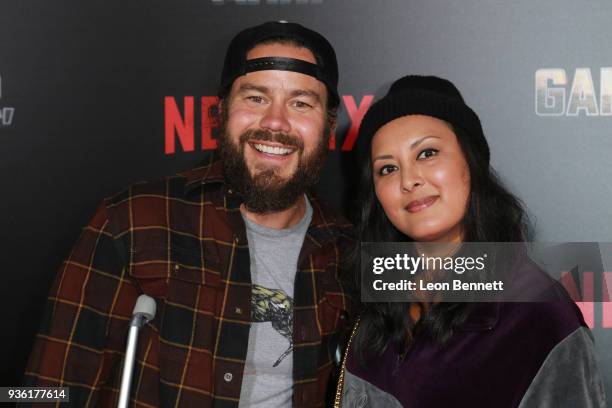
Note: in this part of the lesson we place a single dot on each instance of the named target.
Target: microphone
(144, 312)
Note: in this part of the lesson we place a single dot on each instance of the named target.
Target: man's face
(275, 131)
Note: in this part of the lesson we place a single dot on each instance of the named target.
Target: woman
(427, 179)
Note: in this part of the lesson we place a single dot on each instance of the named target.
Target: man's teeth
(272, 149)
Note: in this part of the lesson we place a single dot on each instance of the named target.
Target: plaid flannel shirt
(182, 241)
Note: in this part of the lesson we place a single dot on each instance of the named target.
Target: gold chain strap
(340, 387)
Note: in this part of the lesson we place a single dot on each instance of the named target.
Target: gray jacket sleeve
(569, 376)
(359, 393)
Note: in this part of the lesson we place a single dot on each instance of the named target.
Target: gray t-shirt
(268, 377)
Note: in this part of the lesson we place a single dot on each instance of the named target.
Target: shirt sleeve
(82, 335)
(569, 376)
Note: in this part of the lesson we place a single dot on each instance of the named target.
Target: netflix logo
(180, 127)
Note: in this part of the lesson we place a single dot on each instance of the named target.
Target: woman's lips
(421, 204)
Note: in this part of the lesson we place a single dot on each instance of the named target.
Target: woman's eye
(427, 153)
(384, 170)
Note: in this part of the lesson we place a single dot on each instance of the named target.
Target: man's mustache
(267, 136)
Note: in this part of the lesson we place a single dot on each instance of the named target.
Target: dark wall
(83, 88)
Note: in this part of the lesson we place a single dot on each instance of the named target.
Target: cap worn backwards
(236, 63)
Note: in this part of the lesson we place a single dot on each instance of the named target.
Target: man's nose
(276, 118)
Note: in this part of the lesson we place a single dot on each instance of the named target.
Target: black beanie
(422, 95)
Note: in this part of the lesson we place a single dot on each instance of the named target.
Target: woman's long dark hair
(493, 214)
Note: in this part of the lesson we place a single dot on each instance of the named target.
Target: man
(243, 265)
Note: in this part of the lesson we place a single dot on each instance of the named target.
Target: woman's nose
(411, 179)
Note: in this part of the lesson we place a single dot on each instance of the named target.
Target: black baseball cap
(236, 64)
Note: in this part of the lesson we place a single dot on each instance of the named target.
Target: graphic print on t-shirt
(274, 306)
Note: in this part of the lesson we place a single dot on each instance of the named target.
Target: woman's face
(421, 178)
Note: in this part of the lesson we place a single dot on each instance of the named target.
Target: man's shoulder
(163, 202)
(328, 218)
(177, 186)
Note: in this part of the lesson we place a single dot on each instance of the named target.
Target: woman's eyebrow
(412, 146)
(421, 140)
(383, 157)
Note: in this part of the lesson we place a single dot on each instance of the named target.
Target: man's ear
(219, 108)
(332, 121)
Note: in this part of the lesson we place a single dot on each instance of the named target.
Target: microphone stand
(144, 311)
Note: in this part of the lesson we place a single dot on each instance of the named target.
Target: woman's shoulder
(537, 303)
(542, 321)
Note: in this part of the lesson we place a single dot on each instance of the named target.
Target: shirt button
(230, 191)
(228, 377)
(177, 267)
(236, 239)
(238, 310)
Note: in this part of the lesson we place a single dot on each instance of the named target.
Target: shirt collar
(211, 173)
(324, 226)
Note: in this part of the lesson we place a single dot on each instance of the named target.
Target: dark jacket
(530, 354)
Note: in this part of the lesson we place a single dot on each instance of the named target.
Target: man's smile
(278, 150)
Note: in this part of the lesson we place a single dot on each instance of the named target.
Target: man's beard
(266, 191)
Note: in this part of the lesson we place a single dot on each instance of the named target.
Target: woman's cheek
(442, 176)
(390, 200)
(379, 191)
(385, 195)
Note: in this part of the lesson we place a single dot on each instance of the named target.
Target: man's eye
(427, 153)
(301, 105)
(255, 99)
(384, 170)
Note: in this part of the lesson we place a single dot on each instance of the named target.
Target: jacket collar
(211, 173)
(483, 317)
